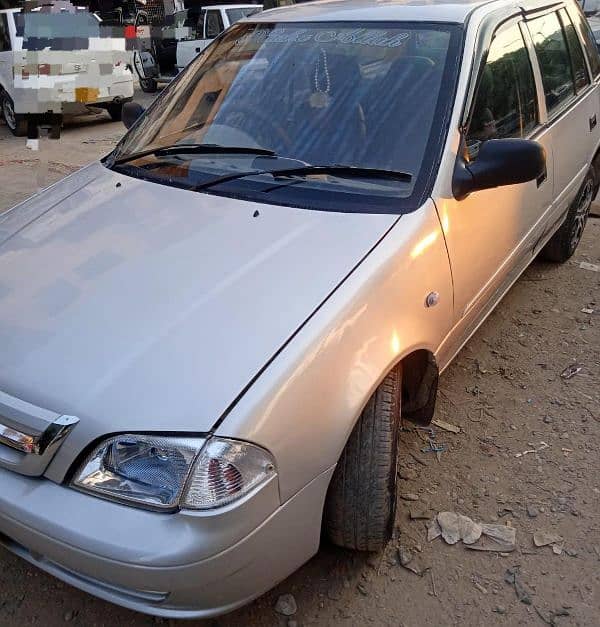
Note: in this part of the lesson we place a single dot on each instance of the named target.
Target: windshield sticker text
(358, 36)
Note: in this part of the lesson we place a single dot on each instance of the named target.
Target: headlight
(167, 472)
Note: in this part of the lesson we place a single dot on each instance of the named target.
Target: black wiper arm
(345, 171)
(337, 170)
(204, 149)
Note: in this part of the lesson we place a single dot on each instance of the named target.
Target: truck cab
(203, 24)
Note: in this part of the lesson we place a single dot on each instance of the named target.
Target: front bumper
(184, 565)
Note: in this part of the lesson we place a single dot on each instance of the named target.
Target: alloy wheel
(581, 214)
(9, 113)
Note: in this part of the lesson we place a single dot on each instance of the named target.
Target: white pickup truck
(57, 63)
(201, 27)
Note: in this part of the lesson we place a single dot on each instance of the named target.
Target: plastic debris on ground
(411, 562)
(286, 605)
(432, 446)
(446, 426)
(513, 578)
(455, 527)
(419, 513)
(541, 447)
(570, 371)
(545, 538)
(500, 538)
(550, 618)
(584, 265)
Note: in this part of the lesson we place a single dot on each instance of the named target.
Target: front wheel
(564, 242)
(16, 122)
(361, 502)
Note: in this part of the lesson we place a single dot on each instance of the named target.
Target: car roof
(456, 11)
(232, 6)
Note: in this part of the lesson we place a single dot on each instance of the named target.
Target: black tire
(564, 242)
(361, 502)
(115, 110)
(16, 122)
(148, 85)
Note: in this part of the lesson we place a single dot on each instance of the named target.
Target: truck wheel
(361, 502)
(16, 122)
(564, 242)
(115, 110)
(148, 85)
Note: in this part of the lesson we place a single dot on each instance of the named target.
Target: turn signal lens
(224, 472)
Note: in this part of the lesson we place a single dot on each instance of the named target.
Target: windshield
(235, 15)
(55, 27)
(373, 98)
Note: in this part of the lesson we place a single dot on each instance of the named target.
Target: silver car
(209, 336)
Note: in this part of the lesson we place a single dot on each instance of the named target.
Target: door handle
(592, 122)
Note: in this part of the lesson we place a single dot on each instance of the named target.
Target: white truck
(191, 30)
(58, 63)
(207, 24)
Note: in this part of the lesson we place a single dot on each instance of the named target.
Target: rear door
(572, 104)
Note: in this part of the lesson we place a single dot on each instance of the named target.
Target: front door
(491, 234)
(209, 30)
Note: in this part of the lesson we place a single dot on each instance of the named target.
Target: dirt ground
(504, 391)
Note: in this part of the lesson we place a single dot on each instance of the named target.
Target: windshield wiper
(344, 171)
(349, 171)
(203, 149)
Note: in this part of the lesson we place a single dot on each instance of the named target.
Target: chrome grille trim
(30, 435)
(39, 444)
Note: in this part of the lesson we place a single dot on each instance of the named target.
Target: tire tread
(361, 501)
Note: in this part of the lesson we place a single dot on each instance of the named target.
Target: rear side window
(589, 42)
(4, 34)
(505, 103)
(555, 62)
(580, 73)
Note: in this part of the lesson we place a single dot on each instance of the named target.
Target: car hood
(140, 307)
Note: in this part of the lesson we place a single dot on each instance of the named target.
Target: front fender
(305, 403)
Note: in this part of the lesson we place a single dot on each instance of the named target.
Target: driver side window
(214, 24)
(4, 34)
(505, 104)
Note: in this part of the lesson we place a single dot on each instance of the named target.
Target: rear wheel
(361, 503)
(115, 110)
(16, 122)
(564, 242)
(148, 85)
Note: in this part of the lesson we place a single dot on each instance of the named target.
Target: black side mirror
(499, 162)
(131, 112)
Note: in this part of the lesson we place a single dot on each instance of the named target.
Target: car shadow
(331, 574)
